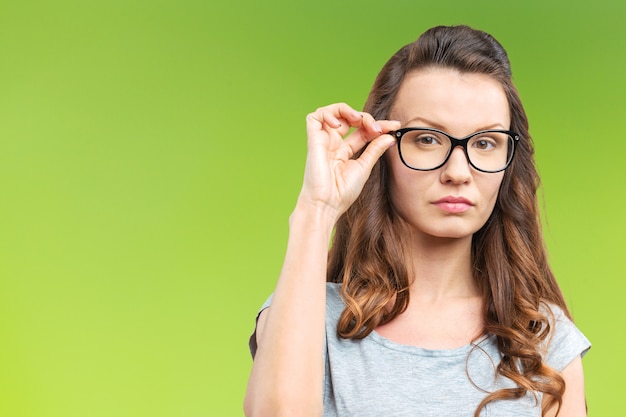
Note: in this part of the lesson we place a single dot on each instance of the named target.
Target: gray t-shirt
(376, 377)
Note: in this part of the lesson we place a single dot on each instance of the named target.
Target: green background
(151, 153)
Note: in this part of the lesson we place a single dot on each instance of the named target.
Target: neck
(441, 269)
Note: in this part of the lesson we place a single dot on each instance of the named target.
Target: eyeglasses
(426, 149)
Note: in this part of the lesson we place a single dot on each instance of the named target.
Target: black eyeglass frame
(454, 142)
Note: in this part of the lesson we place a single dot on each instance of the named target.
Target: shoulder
(334, 308)
(333, 297)
(565, 341)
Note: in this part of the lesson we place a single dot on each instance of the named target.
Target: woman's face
(455, 200)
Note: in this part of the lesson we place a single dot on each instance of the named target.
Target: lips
(453, 205)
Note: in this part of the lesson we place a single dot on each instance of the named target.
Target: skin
(445, 307)
(459, 104)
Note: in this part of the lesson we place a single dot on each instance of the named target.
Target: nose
(457, 169)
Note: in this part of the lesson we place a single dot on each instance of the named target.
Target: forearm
(288, 370)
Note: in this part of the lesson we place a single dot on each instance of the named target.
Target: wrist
(313, 217)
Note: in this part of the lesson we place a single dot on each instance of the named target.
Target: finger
(341, 112)
(347, 113)
(374, 151)
(335, 120)
(321, 118)
(348, 117)
(359, 138)
(367, 123)
(389, 125)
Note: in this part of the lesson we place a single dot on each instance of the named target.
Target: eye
(426, 139)
(484, 143)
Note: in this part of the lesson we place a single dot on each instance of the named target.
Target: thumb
(374, 150)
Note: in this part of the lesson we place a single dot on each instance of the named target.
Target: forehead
(459, 103)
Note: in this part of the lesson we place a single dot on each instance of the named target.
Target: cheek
(408, 189)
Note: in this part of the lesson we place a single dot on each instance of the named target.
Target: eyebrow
(430, 123)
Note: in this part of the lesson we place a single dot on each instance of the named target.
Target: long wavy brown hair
(508, 253)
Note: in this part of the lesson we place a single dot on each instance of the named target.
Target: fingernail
(378, 128)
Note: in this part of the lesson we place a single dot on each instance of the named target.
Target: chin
(451, 232)
(452, 235)
(446, 226)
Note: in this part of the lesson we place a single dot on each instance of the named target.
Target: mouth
(453, 205)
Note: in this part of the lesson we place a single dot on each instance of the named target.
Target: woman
(439, 300)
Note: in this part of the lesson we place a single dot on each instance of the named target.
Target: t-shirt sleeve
(567, 342)
(334, 307)
(252, 342)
